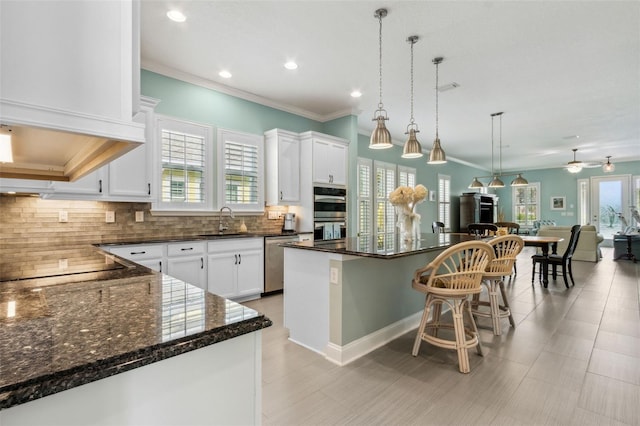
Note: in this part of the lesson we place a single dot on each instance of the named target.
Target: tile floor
(573, 359)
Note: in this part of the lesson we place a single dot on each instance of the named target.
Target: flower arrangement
(405, 199)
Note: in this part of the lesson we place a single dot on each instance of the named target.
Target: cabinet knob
(149, 189)
(202, 263)
(240, 259)
(100, 186)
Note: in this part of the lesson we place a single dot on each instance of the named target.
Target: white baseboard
(343, 355)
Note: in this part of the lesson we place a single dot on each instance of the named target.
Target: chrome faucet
(221, 225)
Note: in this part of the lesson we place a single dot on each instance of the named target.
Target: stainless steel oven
(329, 213)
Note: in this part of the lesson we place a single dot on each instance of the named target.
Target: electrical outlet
(274, 215)
(63, 263)
(333, 279)
(63, 216)
(110, 217)
(140, 216)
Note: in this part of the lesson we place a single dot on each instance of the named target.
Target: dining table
(545, 243)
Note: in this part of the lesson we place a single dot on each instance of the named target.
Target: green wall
(559, 182)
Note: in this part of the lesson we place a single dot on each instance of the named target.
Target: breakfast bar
(345, 298)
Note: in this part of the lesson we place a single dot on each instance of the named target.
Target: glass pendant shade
(380, 137)
(574, 167)
(476, 184)
(437, 155)
(519, 181)
(496, 183)
(412, 148)
(608, 167)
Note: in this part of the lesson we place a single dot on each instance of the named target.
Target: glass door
(610, 205)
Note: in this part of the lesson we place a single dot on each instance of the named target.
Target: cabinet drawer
(185, 249)
(233, 245)
(138, 251)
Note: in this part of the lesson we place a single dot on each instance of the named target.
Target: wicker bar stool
(450, 279)
(506, 249)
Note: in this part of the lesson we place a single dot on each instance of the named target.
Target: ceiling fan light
(519, 181)
(574, 167)
(475, 184)
(380, 138)
(496, 183)
(437, 155)
(412, 148)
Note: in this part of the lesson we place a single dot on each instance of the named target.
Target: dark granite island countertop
(390, 248)
(74, 315)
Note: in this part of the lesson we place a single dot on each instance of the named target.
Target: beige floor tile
(616, 366)
(611, 398)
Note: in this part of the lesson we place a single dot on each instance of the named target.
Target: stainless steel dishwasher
(274, 262)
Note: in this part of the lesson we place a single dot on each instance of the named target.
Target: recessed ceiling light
(291, 65)
(225, 74)
(356, 94)
(176, 16)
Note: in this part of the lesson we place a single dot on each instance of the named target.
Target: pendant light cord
(380, 59)
(437, 63)
(412, 43)
(500, 144)
(492, 174)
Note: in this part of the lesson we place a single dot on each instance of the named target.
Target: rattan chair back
(506, 249)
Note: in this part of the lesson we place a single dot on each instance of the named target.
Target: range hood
(63, 146)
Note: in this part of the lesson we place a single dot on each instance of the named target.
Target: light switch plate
(110, 217)
(274, 215)
(63, 263)
(63, 216)
(333, 279)
(140, 216)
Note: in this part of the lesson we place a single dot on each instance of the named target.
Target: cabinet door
(129, 176)
(289, 170)
(87, 187)
(321, 161)
(337, 164)
(250, 273)
(155, 264)
(222, 272)
(189, 269)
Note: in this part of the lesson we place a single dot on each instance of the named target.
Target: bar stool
(453, 276)
(506, 249)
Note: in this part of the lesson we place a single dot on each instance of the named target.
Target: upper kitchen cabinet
(282, 156)
(330, 156)
(69, 83)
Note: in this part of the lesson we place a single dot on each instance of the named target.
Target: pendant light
(412, 148)
(380, 138)
(574, 166)
(608, 167)
(476, 184)
(437, 155)
(496, 182)
(519, 181)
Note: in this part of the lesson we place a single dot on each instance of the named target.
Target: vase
(406, 226)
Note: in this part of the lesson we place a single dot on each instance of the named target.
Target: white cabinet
(150, 256)
(130, 175)
(91, 186)
(186, 262)
(329, 156)
(282, 159)
(236, 268)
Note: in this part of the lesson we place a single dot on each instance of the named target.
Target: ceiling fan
(576, 166)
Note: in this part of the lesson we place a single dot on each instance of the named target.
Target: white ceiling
(556, 69)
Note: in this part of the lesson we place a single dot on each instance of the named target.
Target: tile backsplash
(32, 220)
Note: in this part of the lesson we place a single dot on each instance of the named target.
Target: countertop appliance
(289, 223)
(274, 262)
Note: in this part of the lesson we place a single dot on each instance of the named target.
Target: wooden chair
(437, 227)
(453, 276)
(512, 227)
(482, 229)
(506, 249)
(554, 260)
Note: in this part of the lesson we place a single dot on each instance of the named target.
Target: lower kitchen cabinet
(235, 268)
(186, 262)
(150, 256)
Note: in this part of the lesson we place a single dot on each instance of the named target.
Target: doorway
(610, 205)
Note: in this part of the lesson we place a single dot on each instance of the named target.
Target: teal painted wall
(559, 182)
(426, 175)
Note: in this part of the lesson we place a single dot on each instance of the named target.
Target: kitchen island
(345, 298)
(89, 338)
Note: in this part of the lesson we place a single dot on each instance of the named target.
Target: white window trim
(249, 139)
(445, 220)
(161, 208)
(368, 163)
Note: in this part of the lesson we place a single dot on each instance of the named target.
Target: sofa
(588, 248)
(538, 223)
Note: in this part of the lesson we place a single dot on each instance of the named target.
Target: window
(583, 202)
(184, 171)
(385, 220)
(526, 204)
(365, 213)
(444, 200)
(240, 171)
(406, 176)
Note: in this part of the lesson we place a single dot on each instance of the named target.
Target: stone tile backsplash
(32, 220)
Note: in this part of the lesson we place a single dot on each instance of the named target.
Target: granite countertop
(392, 248)
(200, 237)
(73, 315)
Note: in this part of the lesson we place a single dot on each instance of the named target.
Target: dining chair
(506, 249)
(482, 229)
(450, 279)
(437, 227)
(554, 260)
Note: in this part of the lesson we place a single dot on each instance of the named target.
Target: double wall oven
(329, 213)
